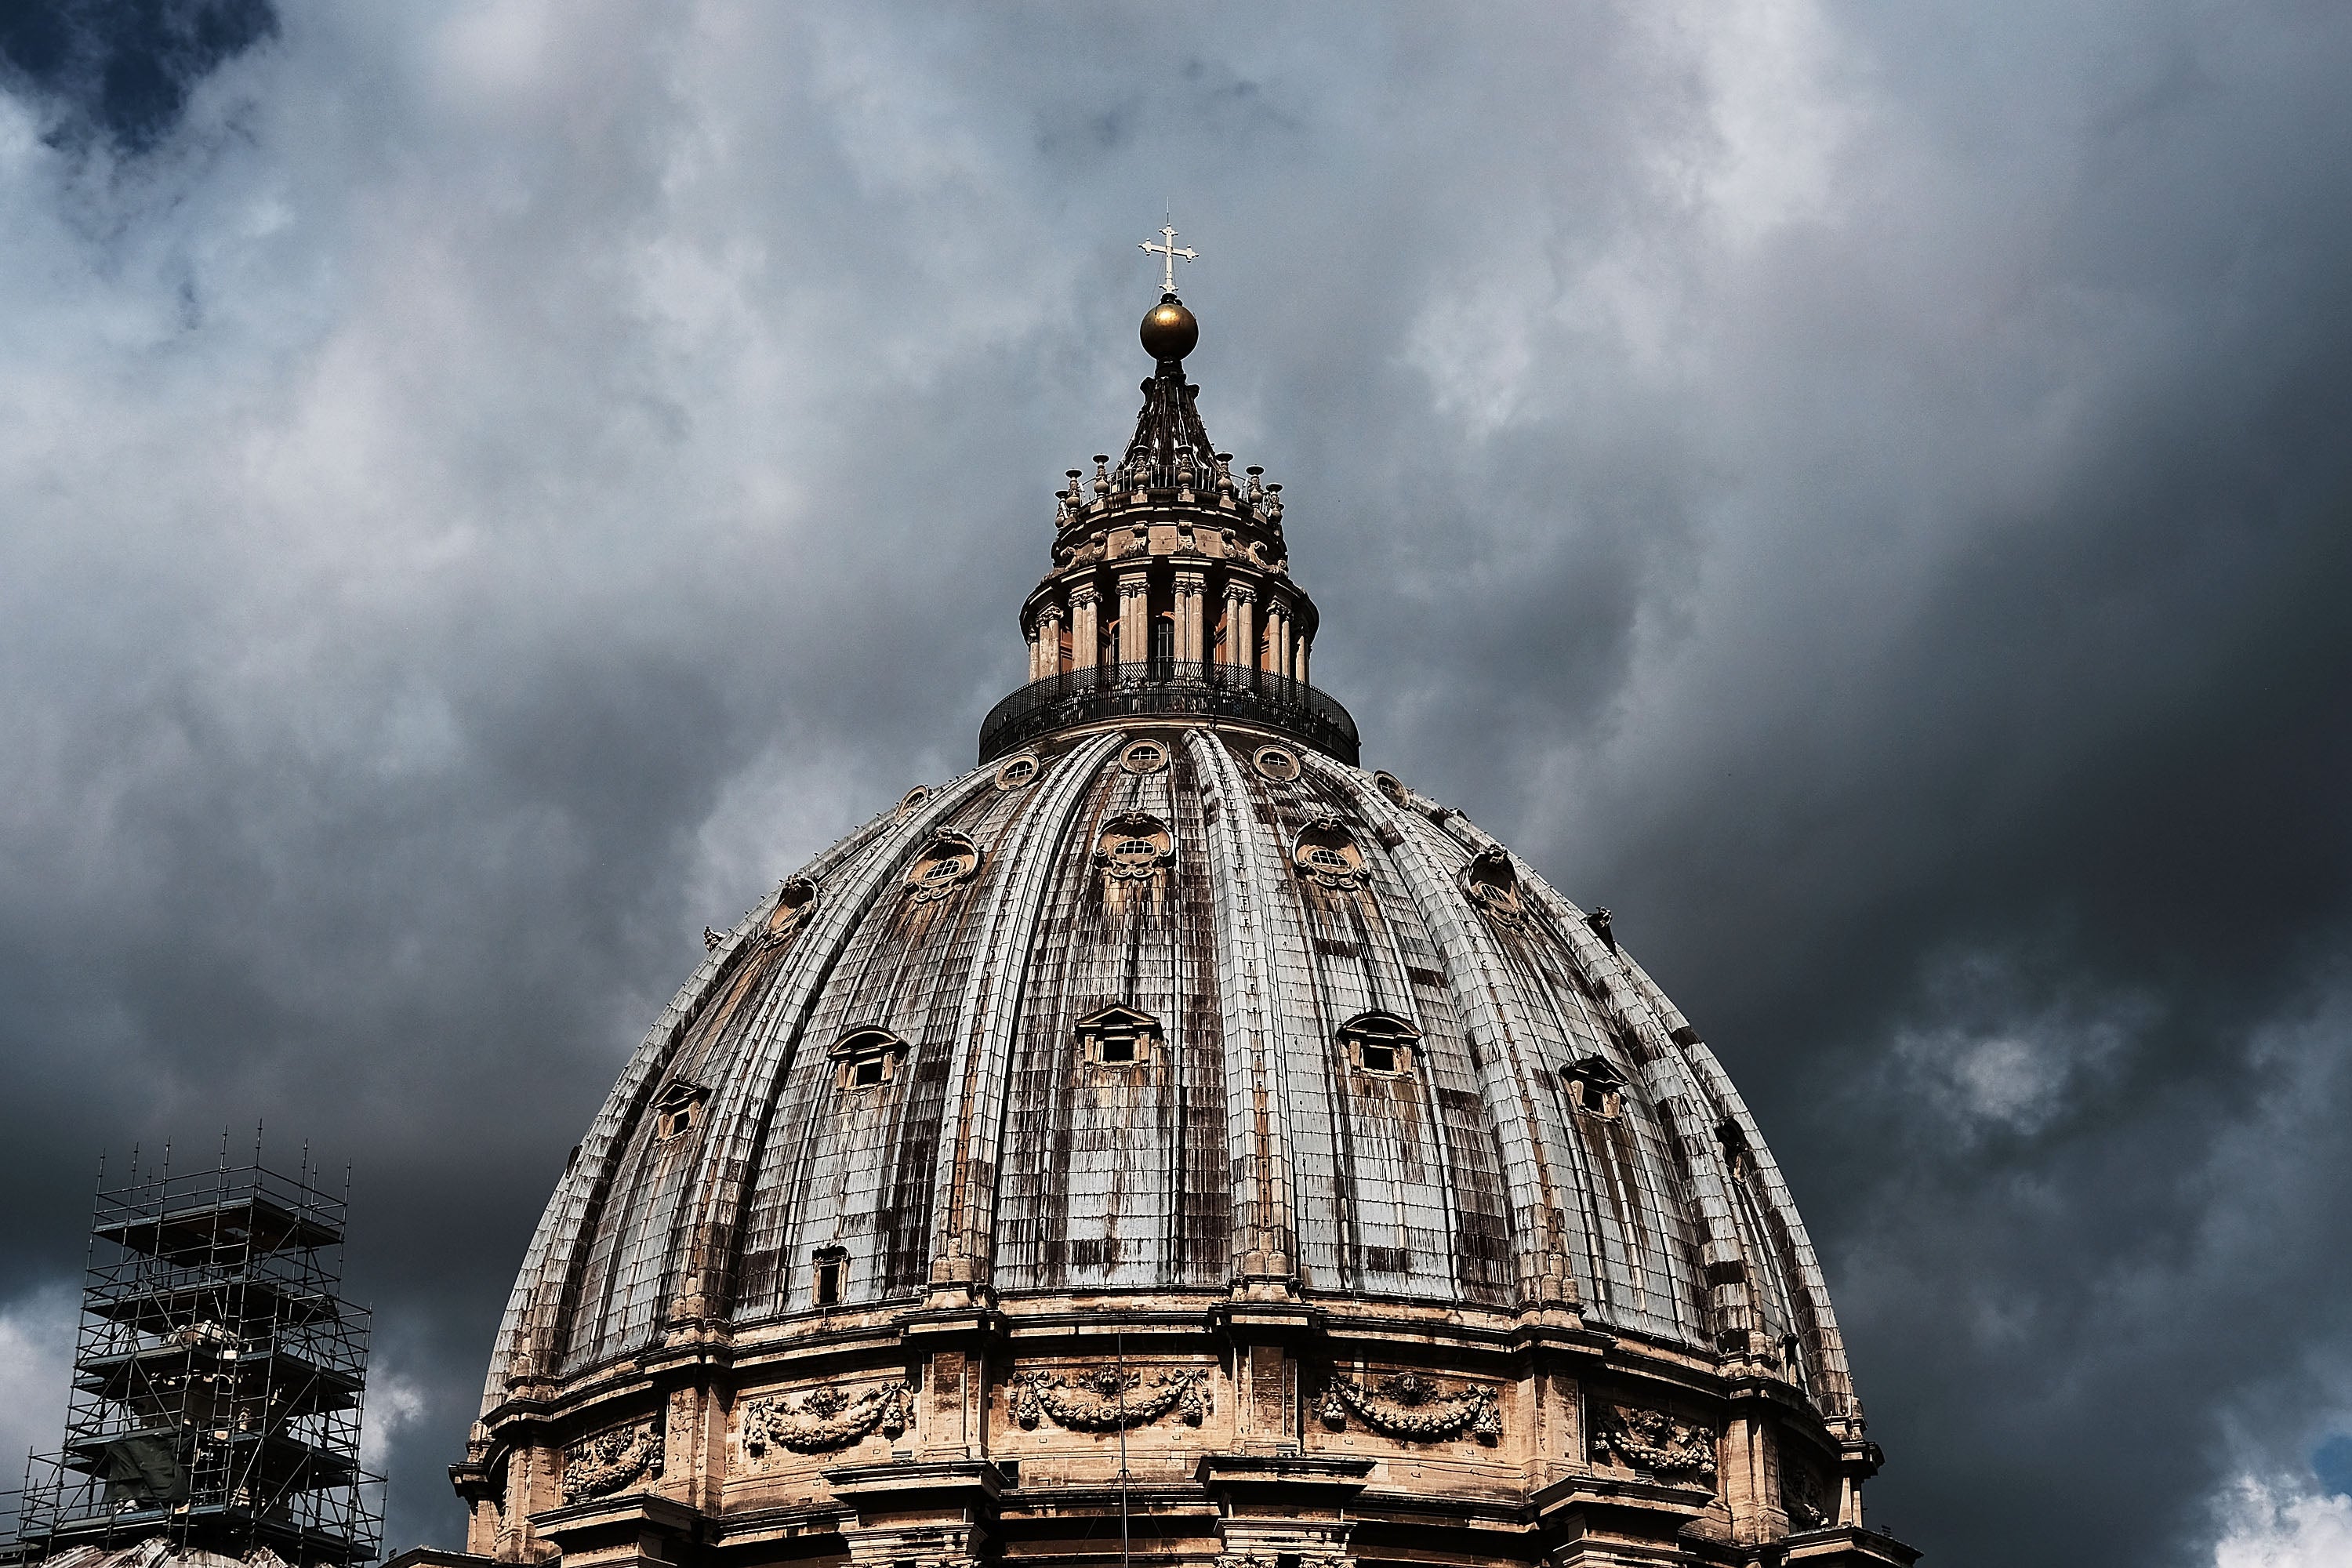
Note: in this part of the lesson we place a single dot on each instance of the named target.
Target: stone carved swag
(1107, 1399)
(612, 1459)
(1409, 1406)
(1652, 1440)
(825, 1419)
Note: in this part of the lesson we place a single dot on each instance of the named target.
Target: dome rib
(963, 1245)
(1265, 1243)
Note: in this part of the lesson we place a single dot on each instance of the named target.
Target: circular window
(1144, 757)
(1392, 787)
(1279, 763)
(912, 799)
(1014, 771)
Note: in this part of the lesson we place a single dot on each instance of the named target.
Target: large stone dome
(1170, 1119)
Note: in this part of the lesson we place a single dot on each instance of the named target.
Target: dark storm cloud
(1861, 492)
(121, 71)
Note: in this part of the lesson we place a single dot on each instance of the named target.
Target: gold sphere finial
(1170, 330)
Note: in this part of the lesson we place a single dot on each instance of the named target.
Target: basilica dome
(1170, 1127)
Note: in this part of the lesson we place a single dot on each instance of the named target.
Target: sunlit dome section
(1170, 1139)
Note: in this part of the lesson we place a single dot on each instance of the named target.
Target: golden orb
(1170, 330)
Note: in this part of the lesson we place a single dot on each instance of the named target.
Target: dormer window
(866, 1059)
(1380, 1044)
(1119, 1037)
(1596, 1088)
(679, 1109)
(1736, 1152)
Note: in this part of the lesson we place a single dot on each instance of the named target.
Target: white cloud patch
(2271, 1524)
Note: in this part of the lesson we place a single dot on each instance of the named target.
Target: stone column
(1191, 590)
(1085, 638)
(1049, 641)
(1134, 617)
(1303, 646)
(1278, 638)
(1241, 626)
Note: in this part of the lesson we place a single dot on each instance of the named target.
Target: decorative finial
(1168, 253)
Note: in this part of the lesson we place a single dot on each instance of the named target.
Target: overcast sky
(1863, 490)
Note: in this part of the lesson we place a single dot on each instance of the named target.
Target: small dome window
(1119, 1037)
(949, 859)
(1279, 763)
(866, 1059)
(678, 1111)
(1391, 786)
(1380, 1044)
(910, 801)
(1014, 771)
(828, 1276)
(1144, 757)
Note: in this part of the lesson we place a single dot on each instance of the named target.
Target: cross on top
(1168, 253)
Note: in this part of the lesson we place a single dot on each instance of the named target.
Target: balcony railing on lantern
(1169, 689)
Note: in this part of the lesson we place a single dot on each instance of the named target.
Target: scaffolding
(217, 1378)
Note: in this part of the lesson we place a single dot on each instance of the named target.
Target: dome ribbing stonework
(1170, 1122)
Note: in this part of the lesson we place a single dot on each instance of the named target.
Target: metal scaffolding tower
(217, 1378)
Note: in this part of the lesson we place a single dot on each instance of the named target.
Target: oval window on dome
(1134, 845)
(945, 864)
(1144, 757)
(911, 800)
(1014, 771)
(1389, 784)
(1327, 854)
(794, 901)
(1279, 763)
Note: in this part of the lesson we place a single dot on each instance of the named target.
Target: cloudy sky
(1863, 490)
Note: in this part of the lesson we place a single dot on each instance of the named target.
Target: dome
(1169, 1114)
